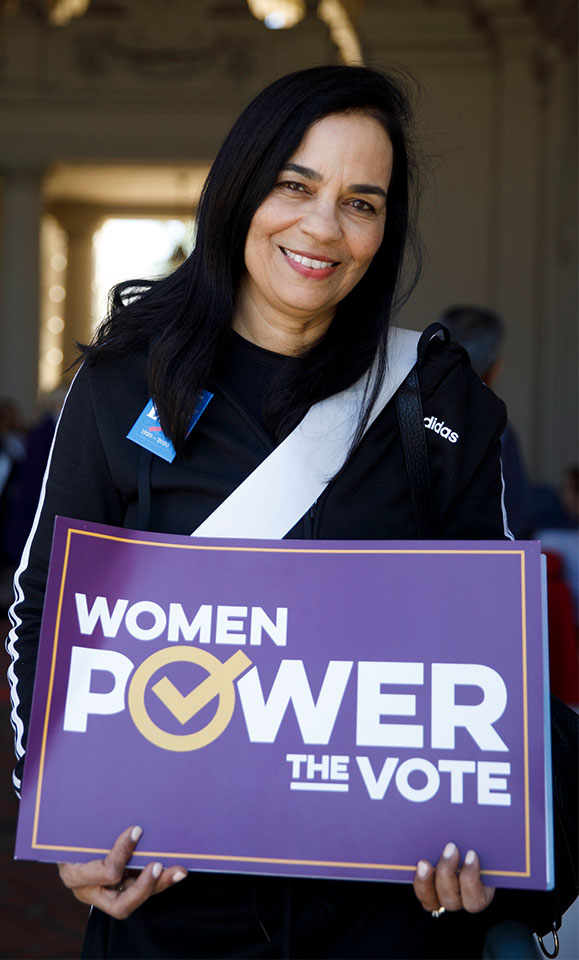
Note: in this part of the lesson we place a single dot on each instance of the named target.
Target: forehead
(353, 143)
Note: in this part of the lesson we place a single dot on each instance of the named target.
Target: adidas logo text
(431, 423)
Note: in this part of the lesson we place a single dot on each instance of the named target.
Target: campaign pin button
(148, 433)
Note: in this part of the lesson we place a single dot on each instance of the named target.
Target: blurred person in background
(559, 535)
(12, 438)
(533, 511)
(24, 485)
(12, 453)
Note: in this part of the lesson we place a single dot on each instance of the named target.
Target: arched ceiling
(557, 19)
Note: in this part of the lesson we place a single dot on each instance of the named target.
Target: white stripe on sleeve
(507, 532)
(15, 620)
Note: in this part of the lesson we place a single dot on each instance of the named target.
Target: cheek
(367, 245)
(256, 243)
(258, 228)
(268, 220)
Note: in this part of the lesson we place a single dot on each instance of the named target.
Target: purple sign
(313, 708)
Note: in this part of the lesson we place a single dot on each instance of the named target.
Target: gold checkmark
(185, 707)
(219, 683)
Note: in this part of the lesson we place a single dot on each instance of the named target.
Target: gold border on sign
(227, 858)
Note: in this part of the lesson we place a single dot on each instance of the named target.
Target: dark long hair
(187, 316)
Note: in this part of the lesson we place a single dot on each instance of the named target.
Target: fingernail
(180, 875)
(136, 834)
(422, 868)
(470, 858)
(157, 870)
(449, 851)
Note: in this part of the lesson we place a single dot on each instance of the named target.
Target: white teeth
(314, 264)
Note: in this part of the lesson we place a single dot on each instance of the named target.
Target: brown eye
(363, 205)
(293, 186)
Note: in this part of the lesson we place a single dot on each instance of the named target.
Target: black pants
(228, 916)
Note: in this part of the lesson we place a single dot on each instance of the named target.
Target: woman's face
(314, 236)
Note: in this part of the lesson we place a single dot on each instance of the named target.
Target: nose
(321, 222)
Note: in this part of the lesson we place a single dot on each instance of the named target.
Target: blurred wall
(143, 82)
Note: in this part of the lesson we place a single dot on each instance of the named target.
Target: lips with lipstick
(309, 265)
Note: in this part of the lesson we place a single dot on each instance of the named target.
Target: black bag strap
(144, 489)
(413, 434)
(411, 423)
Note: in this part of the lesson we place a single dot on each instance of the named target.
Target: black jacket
(92, 475)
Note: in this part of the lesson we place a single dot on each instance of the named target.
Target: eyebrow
(304, 171)
(368, 188)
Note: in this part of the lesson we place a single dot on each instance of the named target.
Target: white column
(80, 222)
(556, 372)
(20, 285)
(516, 214)
(515, 224)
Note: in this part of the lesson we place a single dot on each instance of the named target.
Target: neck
(280, 333)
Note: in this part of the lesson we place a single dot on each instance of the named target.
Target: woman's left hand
(447, 887)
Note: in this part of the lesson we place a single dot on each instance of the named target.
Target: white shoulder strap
(285, 485)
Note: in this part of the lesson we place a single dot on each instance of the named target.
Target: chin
(308, 303)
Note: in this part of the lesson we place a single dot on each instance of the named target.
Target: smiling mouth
(308, 261)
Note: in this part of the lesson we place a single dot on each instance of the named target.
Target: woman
(286, 300)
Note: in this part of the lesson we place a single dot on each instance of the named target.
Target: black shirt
(93, 476)
(249, 373)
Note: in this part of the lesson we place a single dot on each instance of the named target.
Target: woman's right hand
(108, 885)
